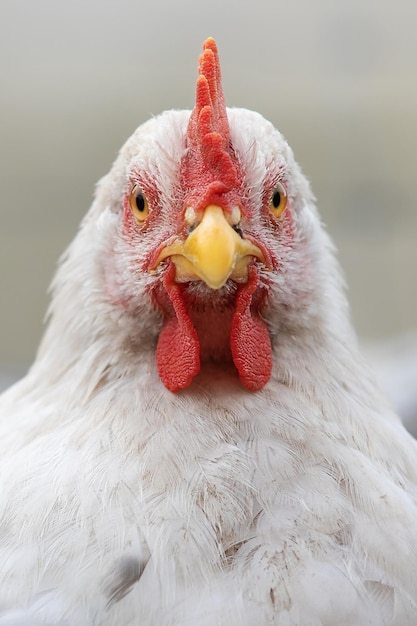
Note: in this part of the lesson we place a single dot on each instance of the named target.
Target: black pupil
(276, 199)
(140, 202)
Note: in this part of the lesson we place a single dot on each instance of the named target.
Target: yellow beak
(213, 252)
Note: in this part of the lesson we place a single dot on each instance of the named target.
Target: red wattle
(249, 338)
(178, 349)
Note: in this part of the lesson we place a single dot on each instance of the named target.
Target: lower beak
(213, 252)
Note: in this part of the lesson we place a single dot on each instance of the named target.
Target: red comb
(209, 164)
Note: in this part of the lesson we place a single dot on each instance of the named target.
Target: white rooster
(199, 441)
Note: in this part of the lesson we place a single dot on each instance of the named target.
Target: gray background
(339, 79)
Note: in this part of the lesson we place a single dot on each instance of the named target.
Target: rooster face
(214, 228)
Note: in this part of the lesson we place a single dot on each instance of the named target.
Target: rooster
(199, 441)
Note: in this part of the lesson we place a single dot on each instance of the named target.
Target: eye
(278, 200)
(139, 204)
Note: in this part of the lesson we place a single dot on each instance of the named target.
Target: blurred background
(339, 79)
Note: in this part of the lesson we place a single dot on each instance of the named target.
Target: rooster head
(213, 230)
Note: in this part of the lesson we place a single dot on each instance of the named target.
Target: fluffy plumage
(124, 503)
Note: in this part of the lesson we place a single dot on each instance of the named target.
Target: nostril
(237, 228)
(190, 218)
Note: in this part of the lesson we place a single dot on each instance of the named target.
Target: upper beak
(212, 252)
